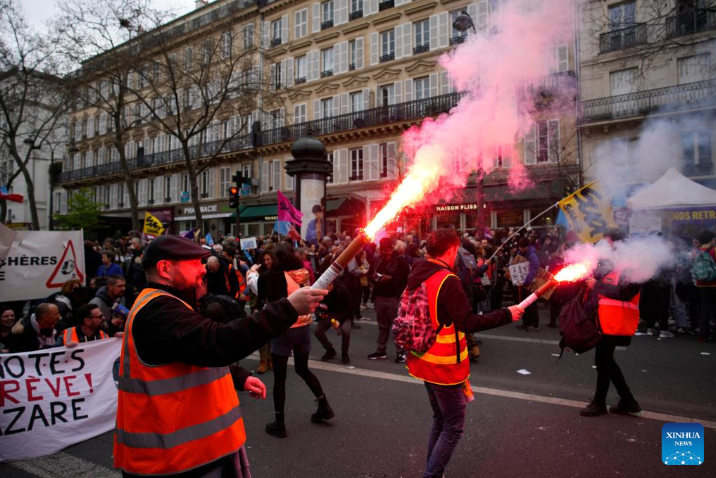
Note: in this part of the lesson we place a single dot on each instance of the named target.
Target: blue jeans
(448, 402)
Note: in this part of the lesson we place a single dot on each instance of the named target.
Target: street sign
(245, 190)
(185, 196)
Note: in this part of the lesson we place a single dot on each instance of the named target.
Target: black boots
(324, 411)
(277, 428)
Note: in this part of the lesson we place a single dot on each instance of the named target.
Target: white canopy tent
(672, 190)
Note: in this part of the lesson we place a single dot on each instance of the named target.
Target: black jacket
(397, 268)
(453, 306)
(166, 331)
(337, 303)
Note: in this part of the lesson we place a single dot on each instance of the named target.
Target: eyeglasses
(100, 316)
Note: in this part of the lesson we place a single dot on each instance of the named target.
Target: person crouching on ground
(445, 368)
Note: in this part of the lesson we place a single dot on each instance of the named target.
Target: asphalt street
(518, 425)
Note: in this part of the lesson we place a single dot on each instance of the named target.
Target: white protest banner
(644, 224)
(53, 398)
(518, 272)
(39, 263)
(248, 243)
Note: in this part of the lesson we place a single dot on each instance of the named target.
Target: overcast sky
(38, 12)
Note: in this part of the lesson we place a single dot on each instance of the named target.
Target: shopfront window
(546, 221)
(449, 220)
(254, 229)
(511, 218)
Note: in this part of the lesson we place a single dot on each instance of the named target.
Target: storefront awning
(335, 204)
(258, 212)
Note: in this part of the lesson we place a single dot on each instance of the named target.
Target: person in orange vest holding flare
(618, 318)
(178, 413)
(88, 328)
(445, 367)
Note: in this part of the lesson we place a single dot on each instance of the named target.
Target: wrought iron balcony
(421, 49)
(326, 24)
(387, 57)
(157, 159)
(408, 111)
(355, 15)
(326, 73)
(300, 80)
(386, 4)
(275, 42)
(412, 111)
(351, 67)
(457, 39)
(682, 97)
(690, 21)
(622, 39)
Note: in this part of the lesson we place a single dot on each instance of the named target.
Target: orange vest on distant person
(70, 335)
(440, 364)
(618, 317)
(175, 417)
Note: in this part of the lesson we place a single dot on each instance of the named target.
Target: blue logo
(682, 444)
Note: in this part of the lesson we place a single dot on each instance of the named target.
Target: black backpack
(578, 326)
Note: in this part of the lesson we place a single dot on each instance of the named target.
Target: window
(275, 175)
(329, 178)
(226, 45)
(623, 82)
(246, 170)
(696, 150)
(356, 164)
(694, 68)
(356, 102)
(326, 14)
(327, 60)
(299, 113)
(356, 9)
(503, 156)
(276, 33)
(248, 33)
(548, 147)
(422, 36)
(150, 190)
(120, 194)
(301, 23)
(276, 119)
(188, 60)
(422, 88)
(276, 76)
(185, 185)
(224, 182)
(168, 189)
(561, 59)
(387, 46)
(387, 95)
(326, 107)
(622, 15)
(383, 159)
(353, 54)
(207, 184)
(300, 69)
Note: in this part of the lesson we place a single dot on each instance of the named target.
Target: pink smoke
(497, 71)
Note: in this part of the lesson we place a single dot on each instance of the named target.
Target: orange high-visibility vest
(440, 364)
(70, 335)
(618, 317)
(175, 417)
(292, 286)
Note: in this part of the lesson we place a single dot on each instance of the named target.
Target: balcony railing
(355, 15)
(421, 49)
(326, 24)
(326, 73)
(458, 39)
(408, 111)
(300, 80)
(387, 57)
(275, 41)
(351, 67)
(386, 4)
(622, 39)
(690, 21)
(682, 97)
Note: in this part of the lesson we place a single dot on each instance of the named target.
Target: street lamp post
(462, 24)
(30, 142)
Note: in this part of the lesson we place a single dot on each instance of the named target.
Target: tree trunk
(3, 210)
(30, 196)
(129, 183)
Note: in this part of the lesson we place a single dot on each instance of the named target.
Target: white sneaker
(649, 331)
(665, 334)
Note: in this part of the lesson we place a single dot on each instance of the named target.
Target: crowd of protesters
(672, 303)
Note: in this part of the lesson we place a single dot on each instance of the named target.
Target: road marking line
(495, 392)
(64, 465)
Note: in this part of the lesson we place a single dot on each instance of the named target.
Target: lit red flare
(572, 272)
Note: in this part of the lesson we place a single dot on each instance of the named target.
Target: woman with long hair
(266, 261)
(288, 275)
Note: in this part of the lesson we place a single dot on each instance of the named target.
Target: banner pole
(518, 230)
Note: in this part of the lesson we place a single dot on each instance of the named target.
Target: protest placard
(53, 398)
(248, 243)
(39, 263)
(518, 272)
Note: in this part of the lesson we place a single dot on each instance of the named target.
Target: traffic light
(234, 197)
